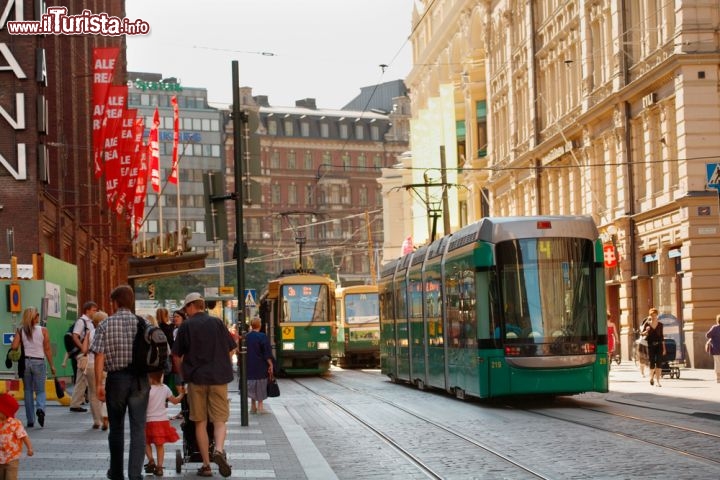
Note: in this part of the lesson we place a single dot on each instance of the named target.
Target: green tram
(356, 341)
(503, 307)
(298, 313)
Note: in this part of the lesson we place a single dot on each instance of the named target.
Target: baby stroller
(669, 365)
(190, 452)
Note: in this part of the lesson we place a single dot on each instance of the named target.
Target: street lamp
(300, 239)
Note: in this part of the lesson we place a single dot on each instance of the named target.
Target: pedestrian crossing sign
(250, 297)
(713, 175)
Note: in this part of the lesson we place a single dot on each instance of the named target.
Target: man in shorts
(203, 352)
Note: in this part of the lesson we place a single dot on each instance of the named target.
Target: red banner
(155, 152)
(173, 178)
(112, 129)
(128, 162)
(140, 190)
(104, 60)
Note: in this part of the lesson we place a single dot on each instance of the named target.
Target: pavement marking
(312, 461)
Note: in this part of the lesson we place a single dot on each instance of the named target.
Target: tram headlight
(288, 346)
(323, 345)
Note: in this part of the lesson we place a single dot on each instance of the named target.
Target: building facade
(602, 108)
(50, 198)
(313, 175)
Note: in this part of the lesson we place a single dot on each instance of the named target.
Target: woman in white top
(36, 343)
(89, 364)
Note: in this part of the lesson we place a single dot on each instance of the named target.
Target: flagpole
(179, 246)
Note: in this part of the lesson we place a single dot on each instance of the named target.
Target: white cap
(191, 297)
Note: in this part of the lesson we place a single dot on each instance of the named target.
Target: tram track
(689, 442)
(428, 467)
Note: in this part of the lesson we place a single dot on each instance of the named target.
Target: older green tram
(504, 306)
(356, 339)
(298, 313)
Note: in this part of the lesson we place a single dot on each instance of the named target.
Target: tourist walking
(202, 351)
(259, 365)
(123, 390)
(36, 343)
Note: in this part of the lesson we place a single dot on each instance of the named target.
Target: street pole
(445, 202)
(238, 119)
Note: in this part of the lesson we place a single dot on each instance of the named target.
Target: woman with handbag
(653, 333)
(259, 365)
(36, 344)
(713, 336)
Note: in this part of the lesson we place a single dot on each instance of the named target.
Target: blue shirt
(258, 351)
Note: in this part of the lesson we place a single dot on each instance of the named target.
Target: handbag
(59, 390)
(273, 389)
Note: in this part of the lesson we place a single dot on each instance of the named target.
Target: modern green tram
(356, 338)
(298, 312)
(503, 307)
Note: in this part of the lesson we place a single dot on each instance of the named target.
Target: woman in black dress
(653, 333)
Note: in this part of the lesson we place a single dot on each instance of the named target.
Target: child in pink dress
(12, 437)
(158, 430)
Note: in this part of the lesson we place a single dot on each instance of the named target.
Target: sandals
(220, 458)
(150, 467)
(204, 471)
(158, 472)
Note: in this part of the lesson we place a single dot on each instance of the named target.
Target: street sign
(8, 338)
(713, 175)
(250, 297)
(228, 290)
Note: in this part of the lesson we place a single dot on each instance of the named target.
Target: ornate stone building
(604, 108)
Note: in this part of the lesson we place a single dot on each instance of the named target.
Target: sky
(286, 49)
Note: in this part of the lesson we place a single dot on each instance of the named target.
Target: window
(289, 128)
(206, 124)
(374, 133)
(359, 131)
(346, 161)
(199, 226)
(291, 160)
(308, 160)
(326, 157)
(186, 123)
(275, 193)
(361, 161)
(275, 159)
(197, 124)
(363, 195)
(215, 125)
(305, 129)
(308, 194)
(272, 127)
(292, 194)
(343, 131)
(377, 161)
(324, 130)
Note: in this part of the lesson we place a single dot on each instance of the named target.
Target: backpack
(70, 347)
(150, 351)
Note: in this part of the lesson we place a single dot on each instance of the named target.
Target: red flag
(173, 178)
(112, 130)
(104, 60)
(140, 190)
(129, 161)
(155, 152)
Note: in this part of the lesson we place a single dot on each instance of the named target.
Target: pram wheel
(178, 461)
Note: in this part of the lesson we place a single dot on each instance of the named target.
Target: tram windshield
(362, 308)
(546, 287)
(304, 303)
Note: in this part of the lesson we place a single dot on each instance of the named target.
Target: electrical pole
(238, 120)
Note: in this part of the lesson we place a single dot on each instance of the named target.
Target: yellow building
(605, 108)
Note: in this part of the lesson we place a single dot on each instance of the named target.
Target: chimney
(306, 103)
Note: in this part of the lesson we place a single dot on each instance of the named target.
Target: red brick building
(49, 196)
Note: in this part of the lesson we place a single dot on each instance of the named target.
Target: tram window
(304, 303)
(546, 287)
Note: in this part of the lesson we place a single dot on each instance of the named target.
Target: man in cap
(203, 352)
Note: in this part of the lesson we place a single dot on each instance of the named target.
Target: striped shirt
(114, 338)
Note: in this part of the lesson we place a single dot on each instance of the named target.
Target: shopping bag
(273, 390)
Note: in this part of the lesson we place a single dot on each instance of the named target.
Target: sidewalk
(695, 392)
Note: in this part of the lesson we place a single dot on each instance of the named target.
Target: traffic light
(214, 196)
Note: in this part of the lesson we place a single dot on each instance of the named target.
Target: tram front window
(304, 303)
(362, 308)
(546, 287)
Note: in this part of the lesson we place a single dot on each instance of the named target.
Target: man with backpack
(126, 389)
(83, 326)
